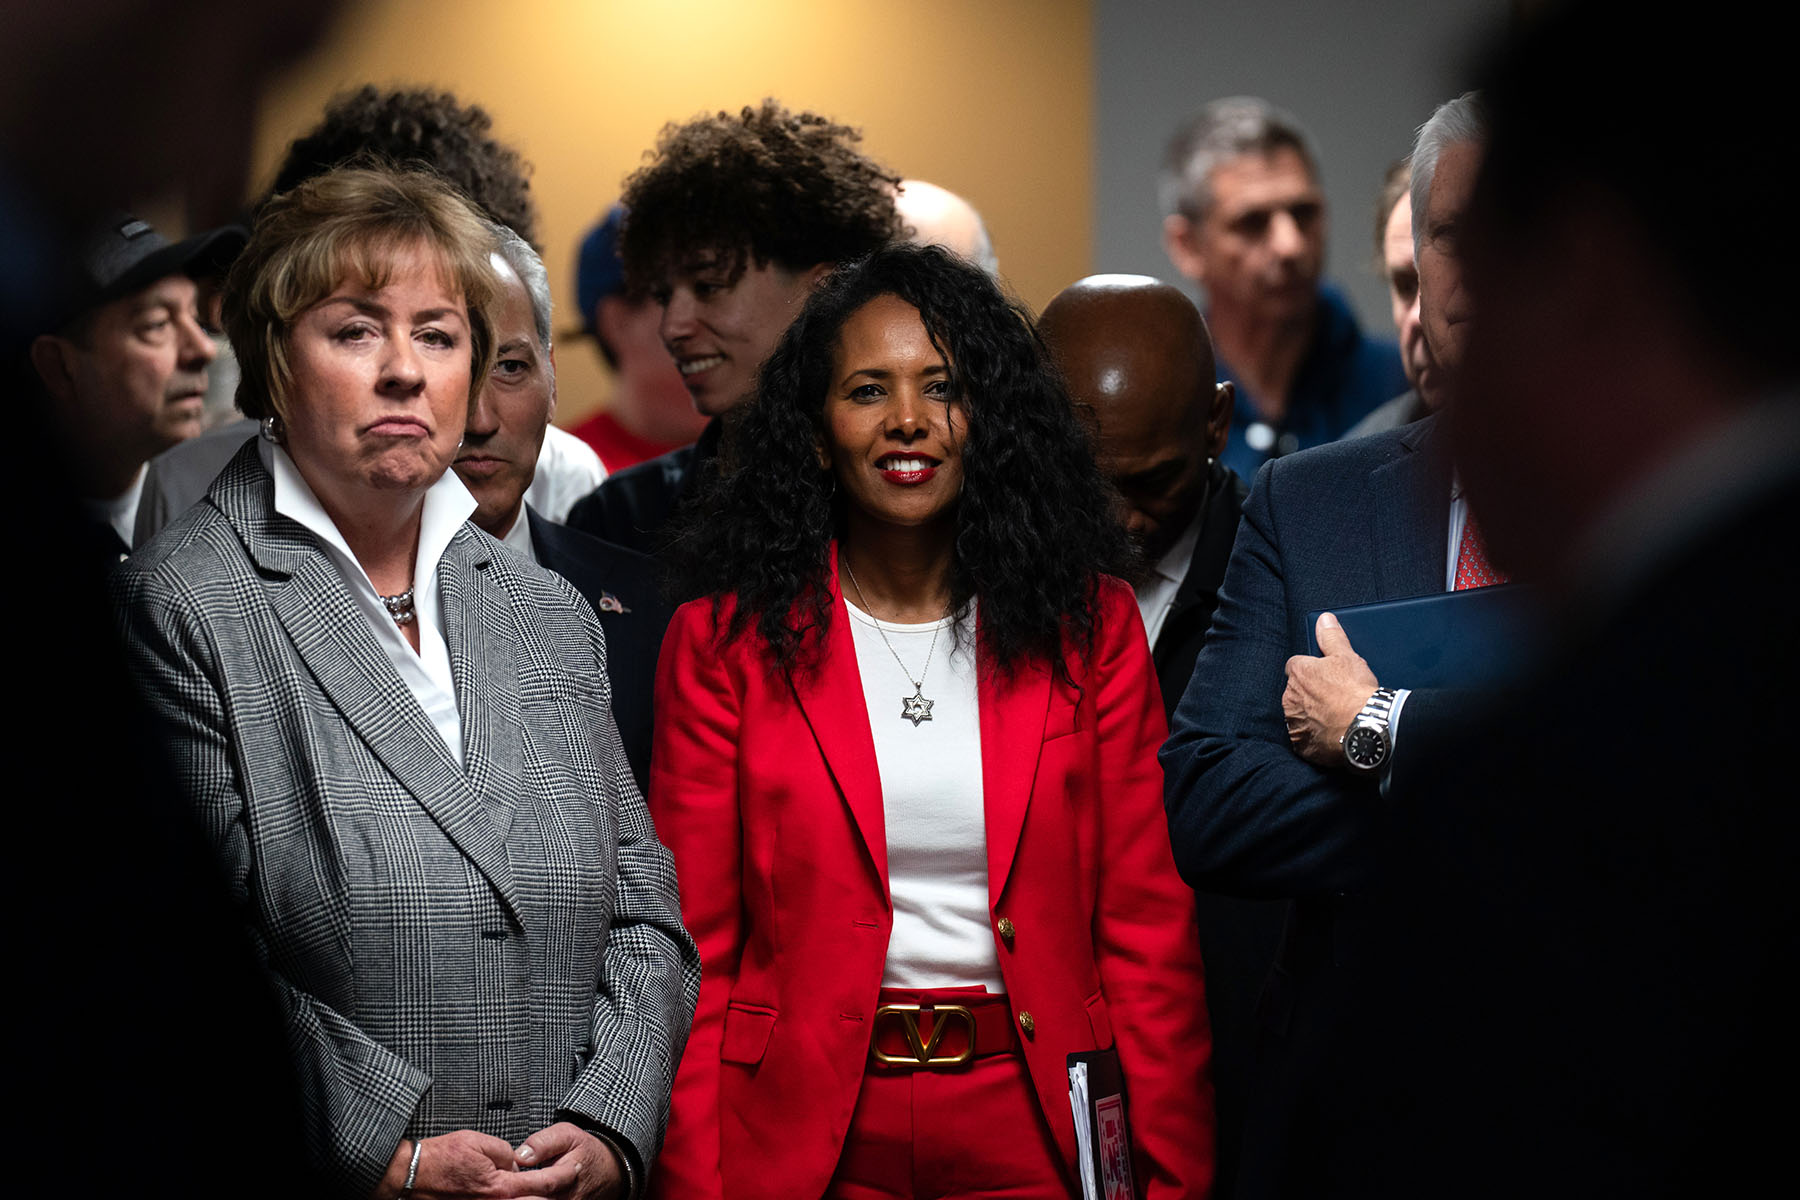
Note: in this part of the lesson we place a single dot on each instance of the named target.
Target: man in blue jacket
(1244, 217)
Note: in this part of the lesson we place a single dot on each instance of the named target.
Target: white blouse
(932, 802)
(425, 672)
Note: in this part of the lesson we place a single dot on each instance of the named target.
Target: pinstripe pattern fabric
(481, 948)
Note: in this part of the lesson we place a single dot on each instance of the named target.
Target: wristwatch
(1367, 742)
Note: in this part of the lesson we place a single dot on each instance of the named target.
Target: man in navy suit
(497, 462)
(1268, 795)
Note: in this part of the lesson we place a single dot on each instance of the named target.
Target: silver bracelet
(412, 1171)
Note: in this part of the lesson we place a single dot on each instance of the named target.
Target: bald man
(936, 216)
(1136, 352)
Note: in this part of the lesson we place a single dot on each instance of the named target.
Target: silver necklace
(915, 708)
(399, 607)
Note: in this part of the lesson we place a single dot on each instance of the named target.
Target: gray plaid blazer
(491, 947)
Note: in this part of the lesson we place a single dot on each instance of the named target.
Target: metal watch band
(1380, 705)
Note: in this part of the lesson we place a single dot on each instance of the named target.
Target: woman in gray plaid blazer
(401, 740)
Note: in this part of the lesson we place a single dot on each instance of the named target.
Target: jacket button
(1027, 1023)
(1006, 930)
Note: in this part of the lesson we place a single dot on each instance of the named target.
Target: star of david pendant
(915, 708)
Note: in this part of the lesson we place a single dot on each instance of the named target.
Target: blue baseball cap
(598, 271)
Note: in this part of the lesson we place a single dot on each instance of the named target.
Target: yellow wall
(991, 98)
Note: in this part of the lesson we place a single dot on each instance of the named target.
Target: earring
(273, 430)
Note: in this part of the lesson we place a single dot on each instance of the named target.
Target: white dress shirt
(426, 672)
(518, 538)
(1156, 594)
(567, 470)
(121, 511)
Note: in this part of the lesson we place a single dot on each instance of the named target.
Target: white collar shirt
(518, 538)
(1156, 594)
(121, 511)
(426, 672)
(567, 470)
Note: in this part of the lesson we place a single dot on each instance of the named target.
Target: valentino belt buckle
(923, 1046)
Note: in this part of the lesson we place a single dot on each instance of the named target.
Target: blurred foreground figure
(142, 988)
(1596, 1000)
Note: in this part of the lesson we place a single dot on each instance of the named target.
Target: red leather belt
(940, 1029)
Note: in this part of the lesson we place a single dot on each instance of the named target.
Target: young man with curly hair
(729, 227)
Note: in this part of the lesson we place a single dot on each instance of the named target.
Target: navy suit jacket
(609, 575)
(1347, 523)
(633, 507)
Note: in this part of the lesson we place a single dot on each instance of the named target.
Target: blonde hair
(348, 223)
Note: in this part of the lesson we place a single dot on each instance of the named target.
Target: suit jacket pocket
(746, 1034)
(1099, 1021)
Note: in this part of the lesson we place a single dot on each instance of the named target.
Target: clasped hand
(1324, 694)
(562, 1162)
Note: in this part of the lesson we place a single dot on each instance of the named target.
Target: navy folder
(1473, 638)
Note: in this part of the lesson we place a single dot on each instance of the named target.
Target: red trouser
(969, 1131)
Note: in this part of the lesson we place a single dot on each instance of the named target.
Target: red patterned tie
(1472, 567)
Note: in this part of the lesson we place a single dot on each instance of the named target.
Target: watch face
(1365, 747)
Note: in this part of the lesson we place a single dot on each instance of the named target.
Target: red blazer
(765, 788)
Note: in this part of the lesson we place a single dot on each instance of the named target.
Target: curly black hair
(413, 128)
(1035, 523)
(766, 184)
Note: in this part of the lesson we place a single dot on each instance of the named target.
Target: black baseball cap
(124, 255)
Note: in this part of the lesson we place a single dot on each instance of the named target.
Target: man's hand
(1324, 695)
(566, 1162)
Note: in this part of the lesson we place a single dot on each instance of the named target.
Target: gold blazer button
(1006, 930)
(1027, 1023)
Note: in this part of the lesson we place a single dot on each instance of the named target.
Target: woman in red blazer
(906, 762)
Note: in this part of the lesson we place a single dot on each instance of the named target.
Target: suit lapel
(1013, 713)
(832, 701)
(477, 613)
(333, 639)
(1206, 567)
(1409, 507)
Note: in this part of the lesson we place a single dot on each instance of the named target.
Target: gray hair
(517, 253)
(1224, 130)
(1455, 121)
